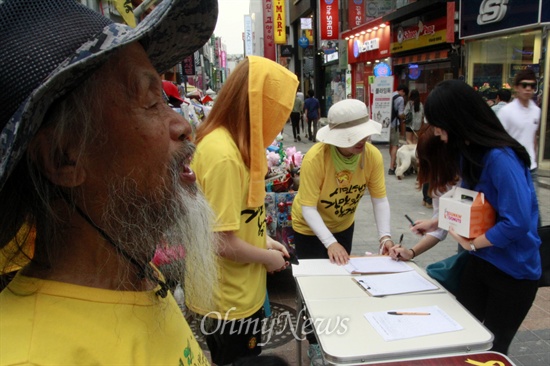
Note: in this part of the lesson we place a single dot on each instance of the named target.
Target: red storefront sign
(329, 19)
(356, 13)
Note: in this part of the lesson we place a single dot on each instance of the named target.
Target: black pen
(410, 220)
(401, 239)
(407, 313)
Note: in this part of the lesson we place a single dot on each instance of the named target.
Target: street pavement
(531, 346)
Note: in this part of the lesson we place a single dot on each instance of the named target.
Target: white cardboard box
(467, 211)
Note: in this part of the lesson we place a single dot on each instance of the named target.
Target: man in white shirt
(521, 117)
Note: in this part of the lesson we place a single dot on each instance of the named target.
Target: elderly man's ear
(62, 167)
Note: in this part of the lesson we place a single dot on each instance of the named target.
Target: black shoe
(391, 171)
(299, 139)
(295, 140)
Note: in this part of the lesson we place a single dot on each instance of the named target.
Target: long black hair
(472, 127)
(414, 96)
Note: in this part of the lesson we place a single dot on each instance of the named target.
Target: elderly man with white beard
(93, 177)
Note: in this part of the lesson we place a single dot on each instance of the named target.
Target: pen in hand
(410, 220)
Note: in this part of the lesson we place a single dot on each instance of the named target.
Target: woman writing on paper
(432, 155)
(500, 280)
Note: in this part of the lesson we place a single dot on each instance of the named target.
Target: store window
(493, 62)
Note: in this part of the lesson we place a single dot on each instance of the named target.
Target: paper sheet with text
(394, 327)
(376, 264)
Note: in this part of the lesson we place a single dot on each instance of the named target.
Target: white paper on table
(376, 264)
(394, 283)
(318, 267)
(394, 327)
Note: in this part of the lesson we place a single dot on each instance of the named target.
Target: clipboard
(394, 283)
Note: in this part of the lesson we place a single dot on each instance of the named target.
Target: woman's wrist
(413, 252)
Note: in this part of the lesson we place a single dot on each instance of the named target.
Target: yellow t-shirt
(336, 197)
(224, 179)
(54, 323)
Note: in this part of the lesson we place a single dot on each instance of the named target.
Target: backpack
(394, 111)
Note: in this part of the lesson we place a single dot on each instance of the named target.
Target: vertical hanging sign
(355, 13)
(328, 14)
(280, 21)
(247, 35)
(269, 41)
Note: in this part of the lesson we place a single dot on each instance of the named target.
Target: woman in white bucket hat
(335, 174)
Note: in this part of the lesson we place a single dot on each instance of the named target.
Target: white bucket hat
(348, 123)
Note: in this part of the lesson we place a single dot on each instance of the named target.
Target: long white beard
(174, 215)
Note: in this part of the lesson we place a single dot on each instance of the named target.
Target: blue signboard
(303, 42)
(486, 16)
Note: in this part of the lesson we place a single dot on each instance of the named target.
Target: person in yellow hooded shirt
(230, 164)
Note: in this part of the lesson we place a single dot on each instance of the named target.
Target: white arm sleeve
(381, 209)
(439, 233)
(317, 225)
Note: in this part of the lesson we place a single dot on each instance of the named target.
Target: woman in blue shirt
(500, 281)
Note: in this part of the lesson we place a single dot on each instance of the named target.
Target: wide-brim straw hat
(348, 123)
(48, 48)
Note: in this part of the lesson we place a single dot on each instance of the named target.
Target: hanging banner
(356, 13)
(328, 15)
(381, 91)
(280, 21)
(247, 35)
(269, 40)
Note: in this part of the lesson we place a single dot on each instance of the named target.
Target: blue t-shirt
(311, 105)
(507, 185)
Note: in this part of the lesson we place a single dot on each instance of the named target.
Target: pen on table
(407, 313)
(410, 220)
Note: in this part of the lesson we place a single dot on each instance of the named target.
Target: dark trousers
(427, 198)
(310, 247)
(498, 300)
(295, 118)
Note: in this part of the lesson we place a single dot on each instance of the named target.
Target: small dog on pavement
(406, 161)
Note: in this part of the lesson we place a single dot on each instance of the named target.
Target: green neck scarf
(341, 162)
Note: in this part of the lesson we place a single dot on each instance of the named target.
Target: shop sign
(423, 34)
(331, 57)
(269, 39)
(515, 68)
(303, 42)
(280, 21)
(487, 16)
(356, 13)
(382, 70)
(368, 45)
(286, 50)
(329, 19)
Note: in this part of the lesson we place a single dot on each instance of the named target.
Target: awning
(421, 57)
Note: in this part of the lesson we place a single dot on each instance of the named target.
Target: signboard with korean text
(381, 90)
(328, 16)
(356, 13)
(280, 21)
(422, 34)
